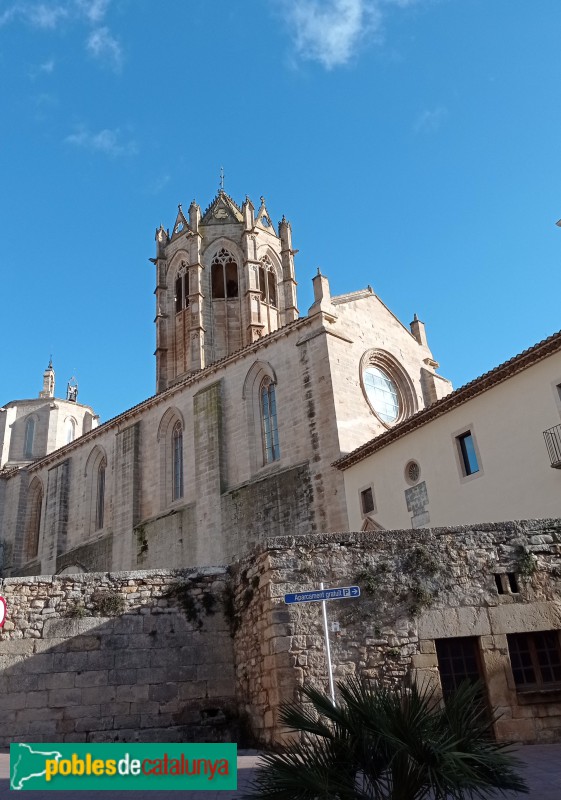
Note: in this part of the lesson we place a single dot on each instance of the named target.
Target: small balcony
(552, 438)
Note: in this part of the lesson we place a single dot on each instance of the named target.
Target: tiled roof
(518, 363)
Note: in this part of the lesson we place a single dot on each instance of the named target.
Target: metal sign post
(327, 649)
(314, 596)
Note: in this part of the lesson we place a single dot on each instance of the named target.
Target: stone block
(518, 617)
(453, 622)
(36, 699)
(98, 694)
(68, 627)
(163, 692)
(25, 683)
(126, 721)
(100, 660)
(69, 662)
(120, 676)
(193, 690)
(45, 728)
(77, 712)
(131, 659)
(64, 697)
(87, 724)
(82, 644)
(515, 730)
(17, 647)
(14, 700)
(92, 678)
(131, 694)
(59, 680)
(128, 624)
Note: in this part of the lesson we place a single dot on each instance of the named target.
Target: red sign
(2, 611)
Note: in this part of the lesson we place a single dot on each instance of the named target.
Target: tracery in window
(177, 465)
(29, 436)
(268, 282)
(224, 275)
(271, 449)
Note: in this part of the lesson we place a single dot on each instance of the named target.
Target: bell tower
(224, 279)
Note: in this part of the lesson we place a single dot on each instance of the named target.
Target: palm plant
(383, 743)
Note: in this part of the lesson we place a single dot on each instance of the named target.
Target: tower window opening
(224, 276)
(268, 282)
(181, 292)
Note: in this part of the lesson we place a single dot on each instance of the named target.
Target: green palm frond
(382, 743)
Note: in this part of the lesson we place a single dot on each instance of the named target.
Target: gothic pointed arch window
(100, 495)
(177, 461)
(29, 438)
(171, 435)
(96, 482)
(224, 275)
(33, 521)
(268, 282)
(270, 433)
(182, 288)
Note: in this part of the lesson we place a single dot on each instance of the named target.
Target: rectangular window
(535, 660)
(467, 453)
(458, 661)
(367, 500)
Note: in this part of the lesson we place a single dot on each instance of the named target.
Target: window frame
(29, 437)
(361, 496)
(269, 421)
(267, 280)
(177, 466)
(221, 265)
(457, 436)
(100, 495)
(540, 684)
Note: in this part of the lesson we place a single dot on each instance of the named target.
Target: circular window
(382, 394)
(387, 387)
(412, 472)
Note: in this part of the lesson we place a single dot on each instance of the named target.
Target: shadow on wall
(158, 673)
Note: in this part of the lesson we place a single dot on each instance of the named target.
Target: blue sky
(415, 145)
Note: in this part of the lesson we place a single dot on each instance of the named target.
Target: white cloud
(331, 31)
(93, 10)
(39, 15)
(104, 47)
(430, 120)
(108, 141)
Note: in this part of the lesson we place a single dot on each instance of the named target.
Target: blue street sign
(314, 596)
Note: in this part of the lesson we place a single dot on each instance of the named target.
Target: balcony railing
(553, 443)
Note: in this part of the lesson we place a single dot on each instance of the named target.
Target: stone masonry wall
(417, 586)
(137, 656)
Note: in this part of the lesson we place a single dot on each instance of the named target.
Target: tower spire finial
(221, 179)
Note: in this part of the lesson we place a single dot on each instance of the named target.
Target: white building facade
(488, 452)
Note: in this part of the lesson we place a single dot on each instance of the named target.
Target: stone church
(254, 402)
